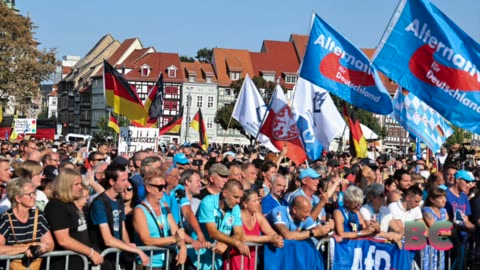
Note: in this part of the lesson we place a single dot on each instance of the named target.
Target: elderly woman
(256, 230)
(375, 212)
(24, 226)
(154, 224)
(349, 223)
(70, 231)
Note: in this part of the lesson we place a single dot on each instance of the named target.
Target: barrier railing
(47, 257)
(324, 246)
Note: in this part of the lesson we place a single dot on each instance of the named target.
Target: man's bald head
(35, 156)
(300, 202)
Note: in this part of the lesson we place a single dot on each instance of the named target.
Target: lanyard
(160, 221)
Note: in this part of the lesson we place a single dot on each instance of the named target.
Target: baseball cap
(309, 172)
(180, 158)
(219, 169)
(465, 175)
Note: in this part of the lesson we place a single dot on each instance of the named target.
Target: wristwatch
(359, 233)
(311, 233)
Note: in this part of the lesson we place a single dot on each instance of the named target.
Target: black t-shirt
(62, 216)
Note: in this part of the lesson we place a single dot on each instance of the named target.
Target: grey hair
(354, 194)
(275, 177)
(15, 187)
(374, 190)
(96, 167)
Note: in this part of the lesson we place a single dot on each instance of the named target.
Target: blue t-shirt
(137, 179)
(98, 215)
(281, 215)
(209, 212)
(455, 204)
(269, 202)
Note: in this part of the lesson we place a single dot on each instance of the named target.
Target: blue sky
(183, 27)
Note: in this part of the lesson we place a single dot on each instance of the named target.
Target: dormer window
(234, 76)
(144, 71)
(292, 79)
(268, 76)
(172, 71)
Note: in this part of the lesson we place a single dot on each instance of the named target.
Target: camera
(179, 194)
(197, 162)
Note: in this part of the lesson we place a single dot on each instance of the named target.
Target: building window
(228, 92)
(269, 77)
(290, 79)
(234, 76)
(144, 71)
(172, 71)
(209, 102)
(192, 78)
(209, 79)
(209, 122)
(199, 101)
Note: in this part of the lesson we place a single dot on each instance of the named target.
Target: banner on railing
(368, 254)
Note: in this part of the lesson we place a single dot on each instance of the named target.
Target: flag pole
(225, 136)
(265, 115)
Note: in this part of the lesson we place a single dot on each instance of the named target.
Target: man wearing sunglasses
(107, 214)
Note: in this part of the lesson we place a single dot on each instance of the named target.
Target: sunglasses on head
(159, 187)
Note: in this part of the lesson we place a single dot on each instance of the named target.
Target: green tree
(223, 115)
(187, 59)
(458, 136)
(22, 65)
(106, 131)
(204, 55)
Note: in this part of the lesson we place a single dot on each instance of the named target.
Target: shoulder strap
(154, 219)
(35, 225)
(11, 226)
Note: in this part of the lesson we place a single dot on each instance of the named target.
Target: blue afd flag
(333, 63)
(420, 120)
(426, 53)
(369, 254)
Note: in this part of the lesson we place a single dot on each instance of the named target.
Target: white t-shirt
(400, 213)
(383, 217)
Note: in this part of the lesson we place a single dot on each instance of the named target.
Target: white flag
(249, 111)
(317, 117)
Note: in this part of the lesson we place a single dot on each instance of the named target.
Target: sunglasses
(130, 188)
(159, 187)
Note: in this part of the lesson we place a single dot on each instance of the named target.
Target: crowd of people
(62, 196)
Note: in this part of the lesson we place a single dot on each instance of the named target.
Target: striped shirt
(23, 231)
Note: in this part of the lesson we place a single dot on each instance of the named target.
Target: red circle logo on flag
(284, 127)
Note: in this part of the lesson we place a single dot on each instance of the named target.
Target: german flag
(198, 124)
(174, 125)
(113, 123)
(358, 143)
(121, 97)
(154, 102)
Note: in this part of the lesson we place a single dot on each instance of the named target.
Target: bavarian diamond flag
(419, 119)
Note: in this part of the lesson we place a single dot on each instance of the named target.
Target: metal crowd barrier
(323, 246)
(47, 257)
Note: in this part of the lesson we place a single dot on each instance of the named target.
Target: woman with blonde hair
(70, 232)
(35, 173)
(23, 228)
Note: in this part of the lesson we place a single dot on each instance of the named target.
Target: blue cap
(229, 153)
(465, 175)
(309, 172)
(180, 158)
